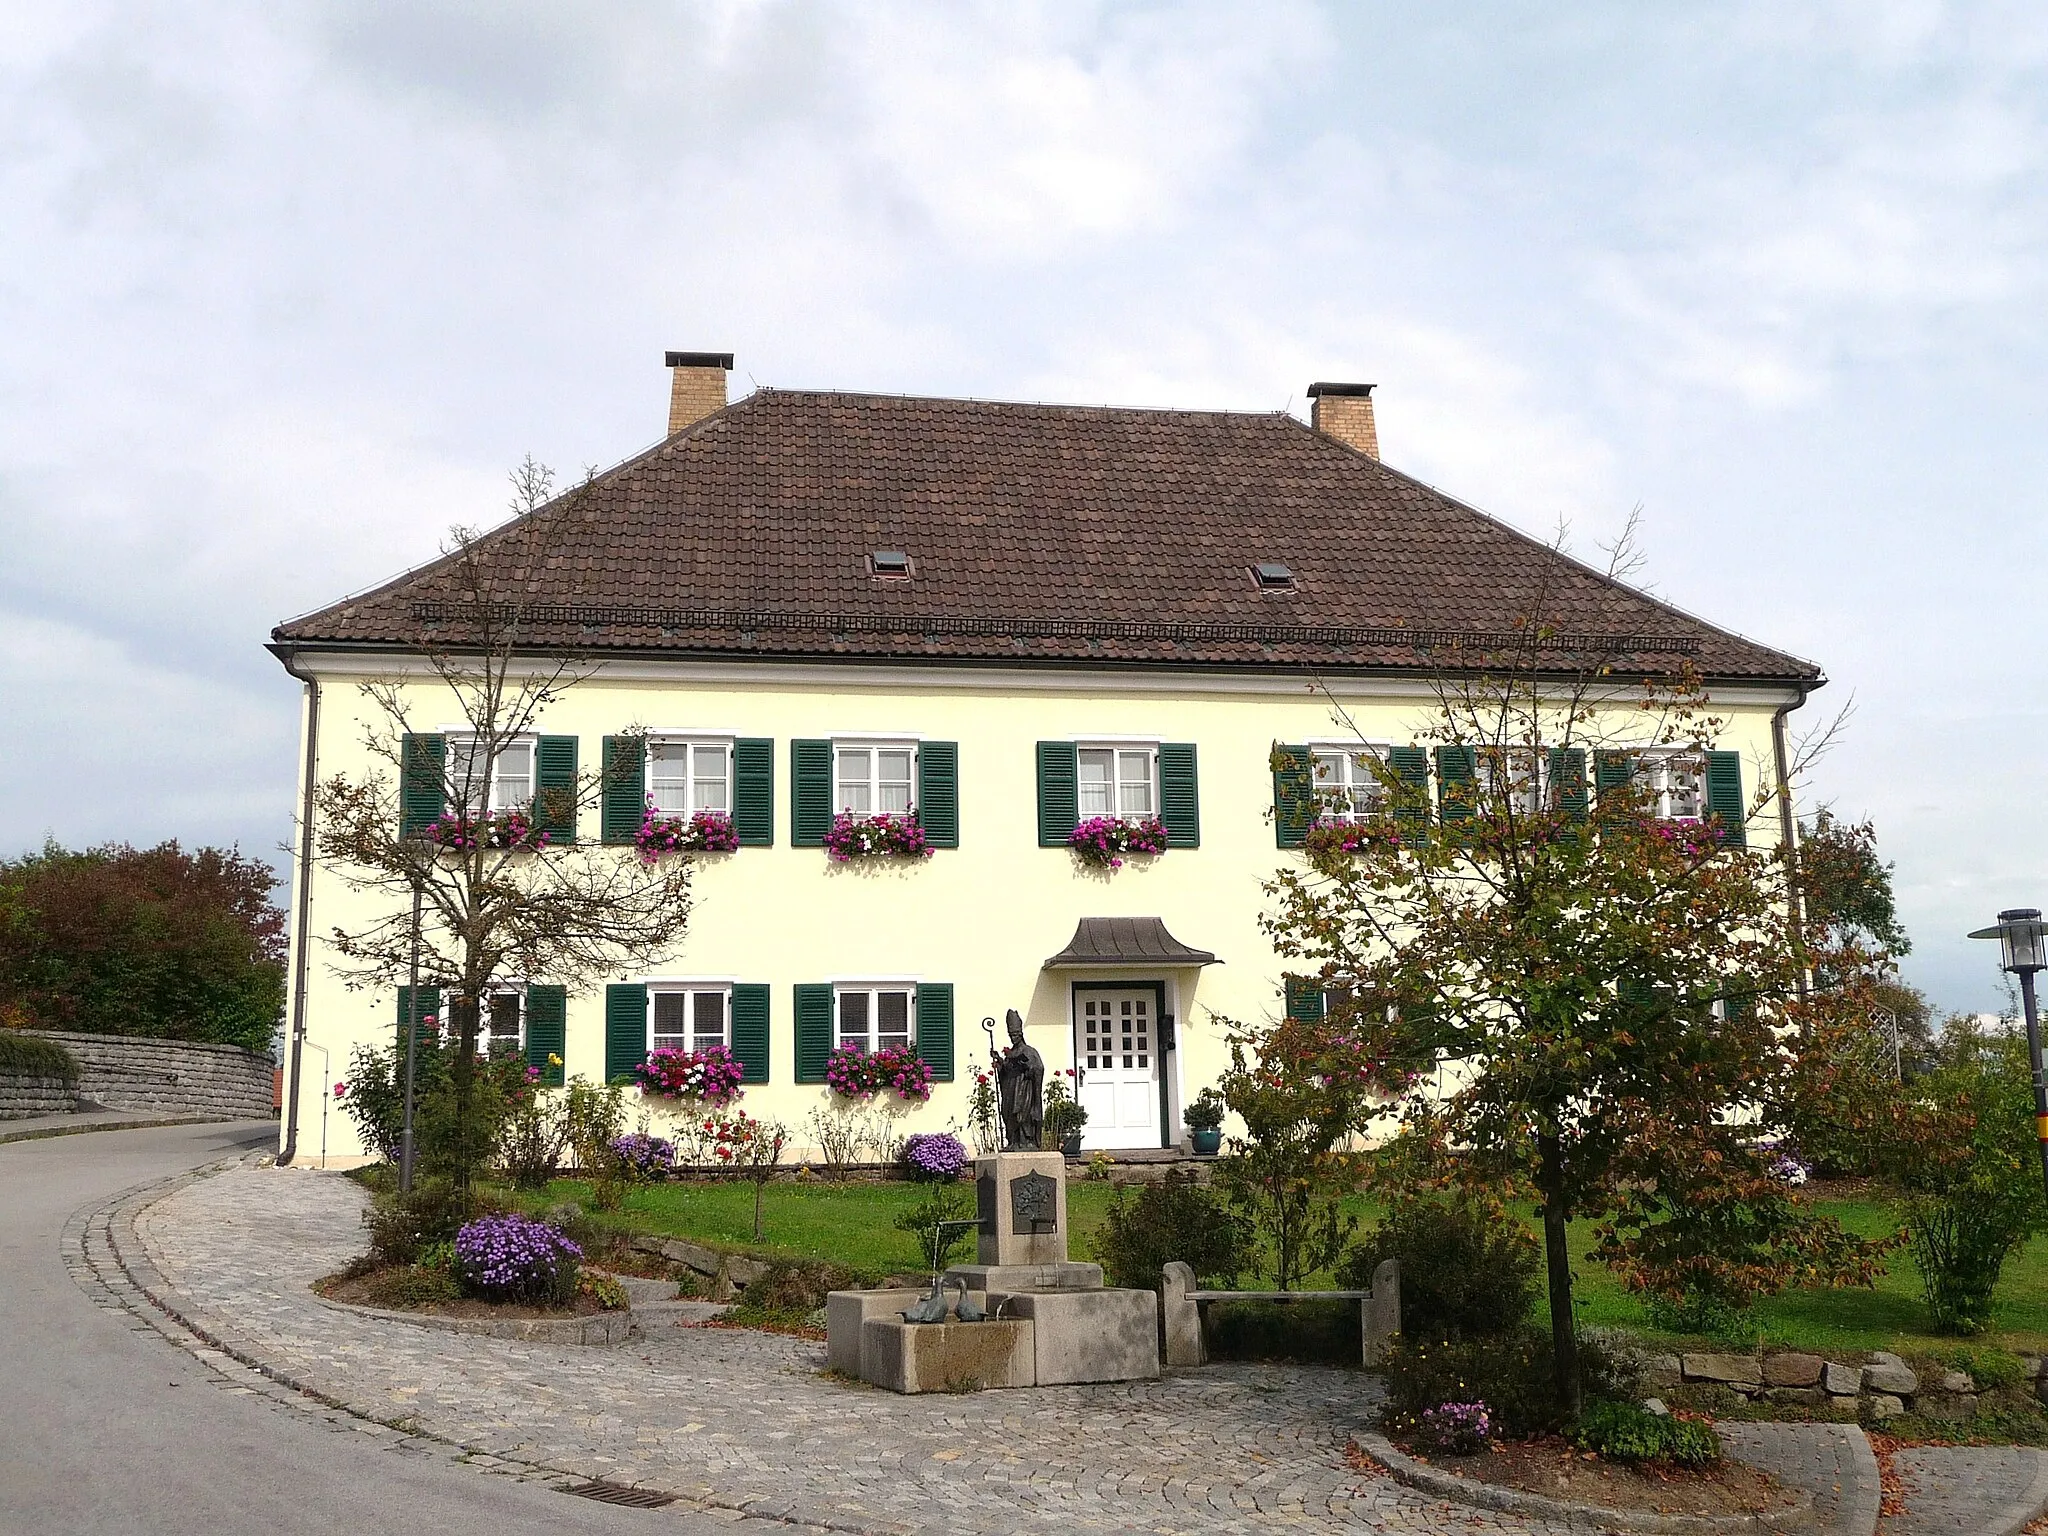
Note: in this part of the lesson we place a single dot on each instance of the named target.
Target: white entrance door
(1118, 1038)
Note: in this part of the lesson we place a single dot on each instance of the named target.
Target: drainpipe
(301, 940)
(1788, 831)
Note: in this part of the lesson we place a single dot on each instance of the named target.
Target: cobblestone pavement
(1977, 1490)
(745, 1421)
(1834, 1461)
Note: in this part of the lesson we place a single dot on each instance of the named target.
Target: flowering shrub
(704, 832)
(1104, 840)
(1782, 1161)
(645, 1157)
(853, 1073)
(711, 1075)
(463, 831)
(514, 1258)
(935, 1156)
(884, 836)
(1454, 1429)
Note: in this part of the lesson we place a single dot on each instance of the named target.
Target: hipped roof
(1036, 533)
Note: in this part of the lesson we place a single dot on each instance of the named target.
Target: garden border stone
(1578, 1517)
(601, 1328)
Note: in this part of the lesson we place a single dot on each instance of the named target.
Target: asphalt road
(105, 1429)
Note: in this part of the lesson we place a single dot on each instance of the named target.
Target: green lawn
(851, 1224)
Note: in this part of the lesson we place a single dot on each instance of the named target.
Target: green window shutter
(753, 793)
(1294, 796)
(554, 783)
(1411, 769)
(422, 782)
(1059, 792)
(1568, 780)
(938, 792)
(1612, 771)
(1180, 798)
(1457, 778)
(750, 1030)
(1725, 798)
(625, 1029)
(1304, 999)
(810, 793)
(935, 1027)
(429, 1008)
(813, 1030)
(623, 802)
(547, 1031)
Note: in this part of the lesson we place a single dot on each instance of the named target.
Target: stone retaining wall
(178, 1077)
(1874, 1389)
(22, 1097)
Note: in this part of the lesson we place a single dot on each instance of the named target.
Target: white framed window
(872, 1017)
(1675, 780)
(685, 776)
(688, 1017)
(484, 785)
(1515, 779)
(501, 1030)
(1121, 781)
(874, 778)
(1346, 779)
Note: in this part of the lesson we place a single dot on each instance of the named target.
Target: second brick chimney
(696, 387)
(1344, 411)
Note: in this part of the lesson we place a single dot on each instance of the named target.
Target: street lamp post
(2023, 945)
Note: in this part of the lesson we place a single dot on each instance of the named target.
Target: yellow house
(1000, 621)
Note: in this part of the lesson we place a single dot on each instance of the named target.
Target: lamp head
(2022, 939)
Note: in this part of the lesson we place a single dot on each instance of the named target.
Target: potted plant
(1204, 1120)
(1064, 1118)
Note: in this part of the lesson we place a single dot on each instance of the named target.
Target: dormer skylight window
(1272, 576)
(890, 563)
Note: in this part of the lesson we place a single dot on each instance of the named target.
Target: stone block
(1110, 1335)
(1842, 1380)
(1955, 1381)
(1664, 1371)
(1895, 1380)
(1885, 1357)
(1021, 1198)
(1182, 1318)
(946, 1357)
(1731, 1370)
(1379, 1318)
(1066, 1276)
(1792, 1370)
(846, 1312)
(1883, 1405)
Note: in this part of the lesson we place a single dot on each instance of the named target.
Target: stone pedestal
(1028, 1277)
(1021, 1198)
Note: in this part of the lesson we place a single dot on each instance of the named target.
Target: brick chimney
(1344, 411)
(697, 387)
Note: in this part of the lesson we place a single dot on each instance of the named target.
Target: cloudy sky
(287, 287)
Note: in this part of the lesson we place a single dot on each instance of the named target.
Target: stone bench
(1181, 1303)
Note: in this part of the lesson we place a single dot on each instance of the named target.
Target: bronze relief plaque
(1034, 1205)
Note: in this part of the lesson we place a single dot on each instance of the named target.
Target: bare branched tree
(470, 827)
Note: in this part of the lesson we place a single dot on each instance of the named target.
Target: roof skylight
(889, 562)
(1272, 576)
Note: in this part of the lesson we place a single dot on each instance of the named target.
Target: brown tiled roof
(1055, 533)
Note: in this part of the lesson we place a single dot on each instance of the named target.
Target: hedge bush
(1467, 1271)
(33, 1056)
(1625, 1433)
(1176, 1219)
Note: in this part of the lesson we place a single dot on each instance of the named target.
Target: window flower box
(703, 832)
(1104, 840)
(1332, 836)
(709, 1076)
(461, 831)
(856, 1074)
(885, 836)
